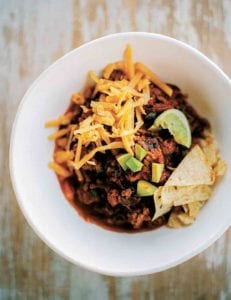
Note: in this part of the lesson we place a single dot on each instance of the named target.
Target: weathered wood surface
(32, 35)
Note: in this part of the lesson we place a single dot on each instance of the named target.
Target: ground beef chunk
(155, 91)
(129, 198)
(161, 107)
(86, 196)
(113, 197)
(138, 217)
(126, 198)
(154, 155)
(95, 167)
(164, 177)
(143, 174)
(115, 174)
(168, 146)
(117, 75)
(127, 193)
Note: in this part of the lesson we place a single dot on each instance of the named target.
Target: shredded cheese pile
(116, 115)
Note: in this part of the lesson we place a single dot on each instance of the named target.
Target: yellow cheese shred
(108, 70)
(59, 133)
(68, 144)
(112, 120)
(78, 98)
(93, 76)
(154, 78)
(59, 169)
(62, 120)
(87, 157)
(129, 66)
(63, 156)
(135, 79)
(78, 150)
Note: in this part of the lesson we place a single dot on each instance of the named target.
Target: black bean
(149, 119)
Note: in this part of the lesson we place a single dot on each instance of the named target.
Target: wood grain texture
(32, 35)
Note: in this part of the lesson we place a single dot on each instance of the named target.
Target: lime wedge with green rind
(176, 122)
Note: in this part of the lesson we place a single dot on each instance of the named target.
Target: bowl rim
(19, 197)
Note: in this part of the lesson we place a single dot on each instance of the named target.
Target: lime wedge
(177, 124)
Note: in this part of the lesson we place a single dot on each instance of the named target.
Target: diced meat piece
(94, 166)
(164, 177)
(159, 221)
(117, 75)
(127, 193)
(168, 146)
(155, 91)
(113, 197)
(87, 196)
(138, 217)
(114, 173)
(160, 107)
(147, 142)
(132, 177)
(155, 155)
(107, 210)
(129, 198)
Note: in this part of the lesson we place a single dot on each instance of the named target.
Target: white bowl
(38, 191)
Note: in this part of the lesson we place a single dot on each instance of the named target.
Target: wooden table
(33, 34)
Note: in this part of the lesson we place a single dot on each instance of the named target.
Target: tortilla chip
(209, 147)
(192, 209)
(185, 208)
(177, 220)
(193, 170)
(185, 219)
(190, 185)
(174, 195)
(220, 167)
(160, 208)
(173, 221)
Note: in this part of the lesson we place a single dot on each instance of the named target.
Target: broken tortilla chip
(177, 220)
(209, 147)
(185, 219)
(191, 210)
(220, 167)
(173, 221)
(185, 208)
(180, 195)
(190, 185)
(193, 170)
(194, 208)
(160, 209)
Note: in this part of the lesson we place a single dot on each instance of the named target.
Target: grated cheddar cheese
(114, 117)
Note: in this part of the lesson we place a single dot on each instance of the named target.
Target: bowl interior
(37, 188)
